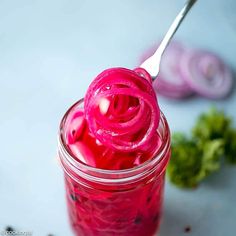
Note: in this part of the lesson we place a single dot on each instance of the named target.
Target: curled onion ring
(206, 74)
(121, 109)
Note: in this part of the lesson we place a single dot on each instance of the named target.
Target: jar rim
(71, 159)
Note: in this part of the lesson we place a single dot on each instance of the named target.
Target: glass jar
(114, 202)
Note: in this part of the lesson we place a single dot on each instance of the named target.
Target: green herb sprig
(212, 140)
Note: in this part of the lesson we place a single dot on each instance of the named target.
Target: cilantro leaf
(193, 161)
(185, 162)
(216, 125)
(196, 157)
(211, 151)
(211, 125)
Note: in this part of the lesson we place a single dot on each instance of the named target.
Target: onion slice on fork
(121, 109)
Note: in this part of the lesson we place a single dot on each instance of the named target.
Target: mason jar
(114, 202)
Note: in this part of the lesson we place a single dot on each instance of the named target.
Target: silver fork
(152, 64)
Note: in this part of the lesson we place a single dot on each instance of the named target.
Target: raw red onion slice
(206, 74)
(121, 109)
(170, 82)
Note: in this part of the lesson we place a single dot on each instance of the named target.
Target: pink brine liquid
(114, 148)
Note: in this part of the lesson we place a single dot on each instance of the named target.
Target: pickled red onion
(121, 109)
(76, 126)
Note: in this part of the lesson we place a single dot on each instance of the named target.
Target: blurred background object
(49, 53)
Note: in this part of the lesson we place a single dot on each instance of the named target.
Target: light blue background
(49, 53)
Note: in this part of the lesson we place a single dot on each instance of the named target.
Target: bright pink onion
(121, 109)
(76, 124)
(206, 74)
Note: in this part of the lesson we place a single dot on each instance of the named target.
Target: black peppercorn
(9, 229)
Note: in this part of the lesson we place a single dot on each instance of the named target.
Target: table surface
(49, 53)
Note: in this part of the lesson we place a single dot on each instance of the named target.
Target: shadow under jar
(114, 202)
